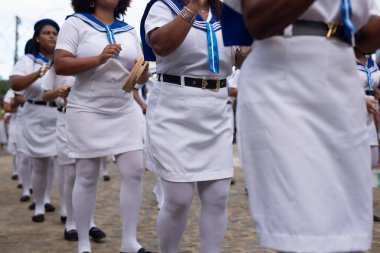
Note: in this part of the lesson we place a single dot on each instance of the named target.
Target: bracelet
(187, 15)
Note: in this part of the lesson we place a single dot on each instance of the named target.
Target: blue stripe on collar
(176, 6)
(39, 59)
(117, 27)
(372, 67)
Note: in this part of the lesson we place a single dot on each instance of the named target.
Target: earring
(38, 41)
(92, 4)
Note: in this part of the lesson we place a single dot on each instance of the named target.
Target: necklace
(204, 10)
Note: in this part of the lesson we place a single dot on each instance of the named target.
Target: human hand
(109, 51)
(64, 91)
(45, 67)
(371, 106)
(196, 5)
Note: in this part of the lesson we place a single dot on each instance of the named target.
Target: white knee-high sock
(61, 186)
(40, 167)
(173, 215)
(159, 192)
(25, 166)
(16, 164)
(104, 166)
(50, 179)
(84, 198)
(374, 156)
(213, 216)
(69, 174)
(131, 167)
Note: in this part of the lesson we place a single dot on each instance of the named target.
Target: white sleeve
(9, 96)
(49, 80)
(375, 8)
(159, 15)
(68, 37)
(22, 66)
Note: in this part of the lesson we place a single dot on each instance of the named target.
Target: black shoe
(25, 198)
(38, 218)
(71, 235)
(142, 250)
(63, 219)
(32, 206)
(19, 186)
(31, 191)
(97, 234)
(232, 182)
(49, 207)
(14, 177)
(376, 218)
(106, 178)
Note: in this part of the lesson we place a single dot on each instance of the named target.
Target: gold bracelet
(187, 15)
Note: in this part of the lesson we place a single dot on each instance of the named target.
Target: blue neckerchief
(209, 27)
(235, 33)
(350, 30)
(116, 27)
(40, 59)
(368, 69)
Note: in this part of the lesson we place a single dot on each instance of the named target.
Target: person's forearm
(70, 66)
(368, 38)
(50, 95)
(166, 39)
(19, 83)
(8, 108)
(265, 18)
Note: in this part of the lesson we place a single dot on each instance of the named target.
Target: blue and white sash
(210, 27)
(116, 27)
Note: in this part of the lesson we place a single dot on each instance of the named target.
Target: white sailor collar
(40, 59)
(371, 66)
(116, 27)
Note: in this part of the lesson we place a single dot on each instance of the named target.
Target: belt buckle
(217, 83)
(204, 84)
(332, 29)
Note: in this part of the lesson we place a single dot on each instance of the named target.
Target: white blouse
(99, 89)
(191, 57)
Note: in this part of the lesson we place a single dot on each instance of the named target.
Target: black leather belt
(208, 84)
(61, 109)
(316, 28)
(36, 102)
(370, 92)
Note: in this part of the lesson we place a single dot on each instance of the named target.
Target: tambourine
(135, 74)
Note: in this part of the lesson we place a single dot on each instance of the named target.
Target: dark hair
(34, 47)
(27, 46)
(216, 7)
(84, 6)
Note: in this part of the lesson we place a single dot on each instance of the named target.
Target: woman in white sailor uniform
(370, 77)
(12, 146)
(57, 89)
(188, 132)
(101, 50)
(39, 118)
(302, 134)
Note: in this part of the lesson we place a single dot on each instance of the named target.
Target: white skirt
(92, 135)
(38, 130)
(61, 141)
(12, 137)
(304, 146)
(189, 137)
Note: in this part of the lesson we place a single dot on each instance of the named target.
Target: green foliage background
(4, 86)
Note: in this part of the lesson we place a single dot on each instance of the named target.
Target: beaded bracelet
(188, 15)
